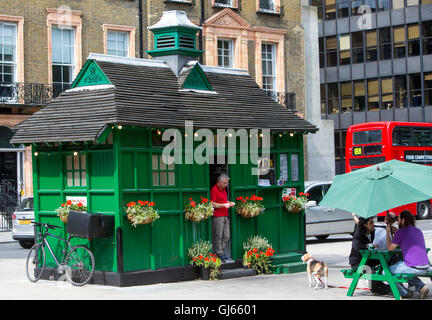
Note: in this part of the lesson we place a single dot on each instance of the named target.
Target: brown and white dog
(316, 269)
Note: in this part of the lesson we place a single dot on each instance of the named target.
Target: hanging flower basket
(295, 204)
(63, 210)
(198, 212)
(249, 207)
(141, 212)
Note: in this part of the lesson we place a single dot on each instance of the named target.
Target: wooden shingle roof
(147, 93)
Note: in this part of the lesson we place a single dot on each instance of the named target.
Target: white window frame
(268, 74)
(13, 63)
(62, 63)
(125, 43)
(223, 53)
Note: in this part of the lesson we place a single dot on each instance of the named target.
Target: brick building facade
(49, 40)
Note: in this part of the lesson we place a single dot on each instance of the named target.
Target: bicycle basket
(90, 225)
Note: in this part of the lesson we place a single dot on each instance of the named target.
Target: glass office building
(375, 63)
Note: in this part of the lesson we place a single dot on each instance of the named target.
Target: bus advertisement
(374, 142)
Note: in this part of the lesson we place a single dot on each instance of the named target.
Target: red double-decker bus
(374, 142)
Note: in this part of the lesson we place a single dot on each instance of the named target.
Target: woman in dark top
(364, 234)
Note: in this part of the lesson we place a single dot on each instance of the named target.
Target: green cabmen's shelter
(101, 142)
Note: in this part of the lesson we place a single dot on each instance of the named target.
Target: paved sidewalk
(6, 237)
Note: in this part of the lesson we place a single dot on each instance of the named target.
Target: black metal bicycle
(77, 262)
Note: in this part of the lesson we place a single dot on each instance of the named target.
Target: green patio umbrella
(371, 190)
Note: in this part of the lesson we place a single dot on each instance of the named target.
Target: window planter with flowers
(65, 208)
(257, 254)
(198, 212)
(295, 204)
(141, 212)
(249, 207)
(201, 256)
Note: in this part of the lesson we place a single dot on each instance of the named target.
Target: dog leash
(342, 287)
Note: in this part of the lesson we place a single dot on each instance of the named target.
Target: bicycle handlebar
(49, 226)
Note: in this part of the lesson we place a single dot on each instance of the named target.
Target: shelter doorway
(219, 166)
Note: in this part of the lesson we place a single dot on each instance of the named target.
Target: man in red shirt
(220, 222)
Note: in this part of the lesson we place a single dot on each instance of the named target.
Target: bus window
(401, 136)
(364, 137)
(422, 136)
(412, 136)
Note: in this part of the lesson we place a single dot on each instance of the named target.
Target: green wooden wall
(121, 172)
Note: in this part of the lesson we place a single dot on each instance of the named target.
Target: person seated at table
(415, 260)
(364, 234)
(380, 236)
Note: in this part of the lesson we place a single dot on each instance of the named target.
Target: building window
(414, 92)
(8, 34)
(118, 43)
(371, 4)
(413, 40)
(330, 9)
(346, 97)
(359, 96)
(163, 174)
(343, 8)
(399, 42)
(386, 93)
(76, 172)
(427, 37)
(384, 5)
(398, 4)
(62, 58)
(333, 98)
(269, 6)
(385, 43)
(344, 49)
(323, 98)
(373, 95)
(268, 52)
(225, 3)
(225, 53)
(321, 52)
(319, 5)
(400, 91)
(428, 88)
(371, 46)
(357, 47)
(331, 47)
(355, 6)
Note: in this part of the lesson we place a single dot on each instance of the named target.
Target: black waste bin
(90, 225)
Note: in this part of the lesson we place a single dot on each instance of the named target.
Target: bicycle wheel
(81, 263)
(35, 263)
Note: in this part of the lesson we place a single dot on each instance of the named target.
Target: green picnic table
(381, 274)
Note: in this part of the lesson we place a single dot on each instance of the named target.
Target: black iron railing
(29, 93)
(287, 99)
(8, 202)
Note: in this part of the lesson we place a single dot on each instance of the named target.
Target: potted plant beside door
(201, 256)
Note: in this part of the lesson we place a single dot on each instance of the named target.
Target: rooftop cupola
(175, 40)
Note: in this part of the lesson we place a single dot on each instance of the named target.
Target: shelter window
(163, 174)
(76, 171)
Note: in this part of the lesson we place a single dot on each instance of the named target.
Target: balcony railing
(28, 93)
(287, 99)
